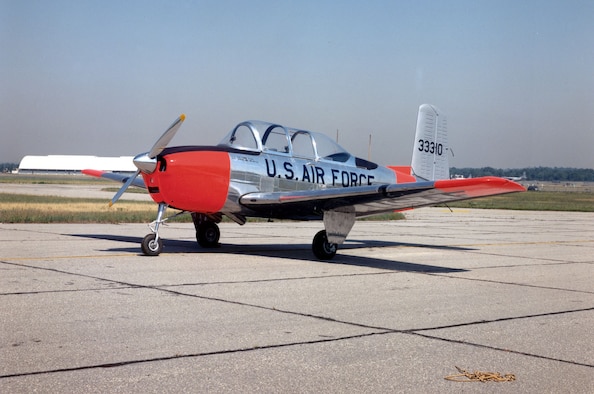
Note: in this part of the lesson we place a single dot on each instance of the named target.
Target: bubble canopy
(259, 136)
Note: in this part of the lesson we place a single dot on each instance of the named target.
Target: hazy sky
(515, 78)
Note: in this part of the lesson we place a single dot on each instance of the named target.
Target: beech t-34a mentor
(268, 170)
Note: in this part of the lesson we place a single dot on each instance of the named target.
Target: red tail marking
(403, 174)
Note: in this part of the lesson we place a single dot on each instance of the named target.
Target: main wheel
(150, 246)
(323, 249)
(208, 234)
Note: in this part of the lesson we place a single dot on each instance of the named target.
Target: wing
(371, 200)
(123, 178)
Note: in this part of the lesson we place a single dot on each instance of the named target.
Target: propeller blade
(146, 161)
(166, 137)
(123, 188)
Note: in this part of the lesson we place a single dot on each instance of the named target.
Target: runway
(401, 305)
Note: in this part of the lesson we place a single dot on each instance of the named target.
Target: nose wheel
(151, 244)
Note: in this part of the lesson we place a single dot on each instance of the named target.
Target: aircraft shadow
(295, 252)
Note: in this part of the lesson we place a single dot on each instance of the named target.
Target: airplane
(517, 178)
(266, 170)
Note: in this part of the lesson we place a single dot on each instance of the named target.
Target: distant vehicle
(267, 170)
(532, 188)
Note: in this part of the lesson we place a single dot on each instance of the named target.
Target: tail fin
(430, 152)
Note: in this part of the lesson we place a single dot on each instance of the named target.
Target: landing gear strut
(207, 231)
(323, 249)
(151, 244)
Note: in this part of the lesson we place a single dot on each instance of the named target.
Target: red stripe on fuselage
(196, 181)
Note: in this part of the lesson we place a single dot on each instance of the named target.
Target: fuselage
(212, 179)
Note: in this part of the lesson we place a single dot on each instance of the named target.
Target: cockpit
(258, 136)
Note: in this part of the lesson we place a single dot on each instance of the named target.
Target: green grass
(34, 179)
(135, 190)
(533, 201)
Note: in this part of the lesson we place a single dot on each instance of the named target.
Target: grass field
(52, 179)
(18, 208)
(534, 201)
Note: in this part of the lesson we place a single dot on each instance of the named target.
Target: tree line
(552, 174)
(8, 167)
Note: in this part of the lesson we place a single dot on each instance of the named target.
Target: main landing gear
(207, 231)
(323, 249)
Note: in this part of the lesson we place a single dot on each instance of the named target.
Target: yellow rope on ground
(478, 376)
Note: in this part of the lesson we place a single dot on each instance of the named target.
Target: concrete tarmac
(401, 305)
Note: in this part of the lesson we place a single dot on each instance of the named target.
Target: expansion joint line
(420, 332)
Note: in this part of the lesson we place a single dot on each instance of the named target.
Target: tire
(208, 234)
(150, 247)
(323, 249)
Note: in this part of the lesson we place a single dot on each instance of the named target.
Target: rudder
(430, 153)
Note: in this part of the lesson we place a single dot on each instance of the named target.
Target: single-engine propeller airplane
(270, 171)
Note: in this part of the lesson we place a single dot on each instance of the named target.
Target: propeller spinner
(147, 162)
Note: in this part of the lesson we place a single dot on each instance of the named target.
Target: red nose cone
(196, 181)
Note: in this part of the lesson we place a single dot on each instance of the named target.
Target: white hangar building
(74, 164)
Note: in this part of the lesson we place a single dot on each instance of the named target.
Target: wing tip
(95, 173)
(480, 187)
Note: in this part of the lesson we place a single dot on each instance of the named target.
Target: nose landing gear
(151, 244)
(207, 231)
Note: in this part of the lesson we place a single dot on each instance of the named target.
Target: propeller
(147, 162)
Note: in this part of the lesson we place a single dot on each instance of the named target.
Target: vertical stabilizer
(430, 153)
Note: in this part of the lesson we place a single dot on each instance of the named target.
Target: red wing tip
(507, 184)
(518, 187)
(479, 187)
(481, 181)
(95, 173)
